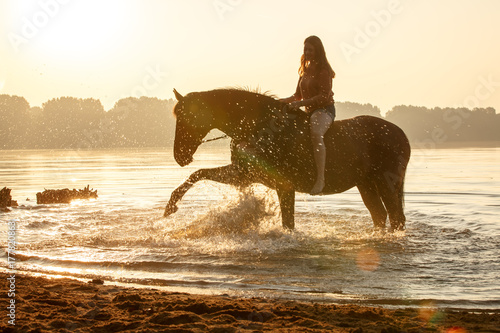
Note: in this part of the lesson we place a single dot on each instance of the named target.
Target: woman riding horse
(314, 91)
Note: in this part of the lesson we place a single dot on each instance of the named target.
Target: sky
(432, 53)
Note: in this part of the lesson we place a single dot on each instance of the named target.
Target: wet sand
(66, 305)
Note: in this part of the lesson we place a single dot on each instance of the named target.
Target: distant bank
(75, 123)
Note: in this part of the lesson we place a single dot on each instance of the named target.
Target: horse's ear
(178, 96)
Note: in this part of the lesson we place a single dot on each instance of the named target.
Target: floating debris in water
(6, 200)
(65, 195)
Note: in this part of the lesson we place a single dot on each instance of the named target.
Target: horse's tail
(401, 190)
(403, 160)
(395, 183)
(404, 165)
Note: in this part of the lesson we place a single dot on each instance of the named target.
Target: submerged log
(6, 199)
(65, 195)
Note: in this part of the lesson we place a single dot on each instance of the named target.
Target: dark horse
(271, 145)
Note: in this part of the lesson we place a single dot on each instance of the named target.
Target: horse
(271, 145)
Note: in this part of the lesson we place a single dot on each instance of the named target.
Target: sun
(76, 31)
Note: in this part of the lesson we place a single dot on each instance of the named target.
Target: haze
(387, 53)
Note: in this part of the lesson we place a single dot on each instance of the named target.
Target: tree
(66, 121)
(14, 122)
(415, 121)
(440, 125)
(141, 122)
(346, 110)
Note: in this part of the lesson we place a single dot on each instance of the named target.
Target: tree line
(75, 123)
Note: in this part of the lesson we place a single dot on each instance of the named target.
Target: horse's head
(193, 122)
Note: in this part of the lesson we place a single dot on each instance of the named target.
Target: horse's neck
(241, 115)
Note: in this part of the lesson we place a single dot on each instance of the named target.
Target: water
(221, 241)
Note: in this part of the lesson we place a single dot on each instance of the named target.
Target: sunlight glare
(84, 31)
(368, 260)
(81, 202)
(456, 330)
(429, 313)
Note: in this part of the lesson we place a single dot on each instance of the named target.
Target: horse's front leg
(229, 174)
(286, 196)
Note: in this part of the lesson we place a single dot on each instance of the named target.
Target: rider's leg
(320, 122)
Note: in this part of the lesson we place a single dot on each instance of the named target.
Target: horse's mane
(256, 90)
(265, 97)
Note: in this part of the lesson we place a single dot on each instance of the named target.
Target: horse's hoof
(396, 228)
(170, 209)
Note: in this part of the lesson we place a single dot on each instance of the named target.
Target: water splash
(239, 215)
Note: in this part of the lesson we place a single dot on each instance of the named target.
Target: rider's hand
(295, 105)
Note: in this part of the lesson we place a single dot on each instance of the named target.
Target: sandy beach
(66, 305)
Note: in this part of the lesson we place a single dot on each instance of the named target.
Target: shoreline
(415, 144)
(454, 144)
(67, 305)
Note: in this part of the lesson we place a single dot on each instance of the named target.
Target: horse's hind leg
(371, 198)
(229, 174)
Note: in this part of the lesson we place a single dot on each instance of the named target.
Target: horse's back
(361, 146)
(368, 132)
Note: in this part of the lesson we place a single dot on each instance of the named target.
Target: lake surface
(221, 241)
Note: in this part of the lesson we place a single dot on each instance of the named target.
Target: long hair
(321, 59)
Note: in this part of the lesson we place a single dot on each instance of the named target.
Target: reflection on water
(224, 241)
